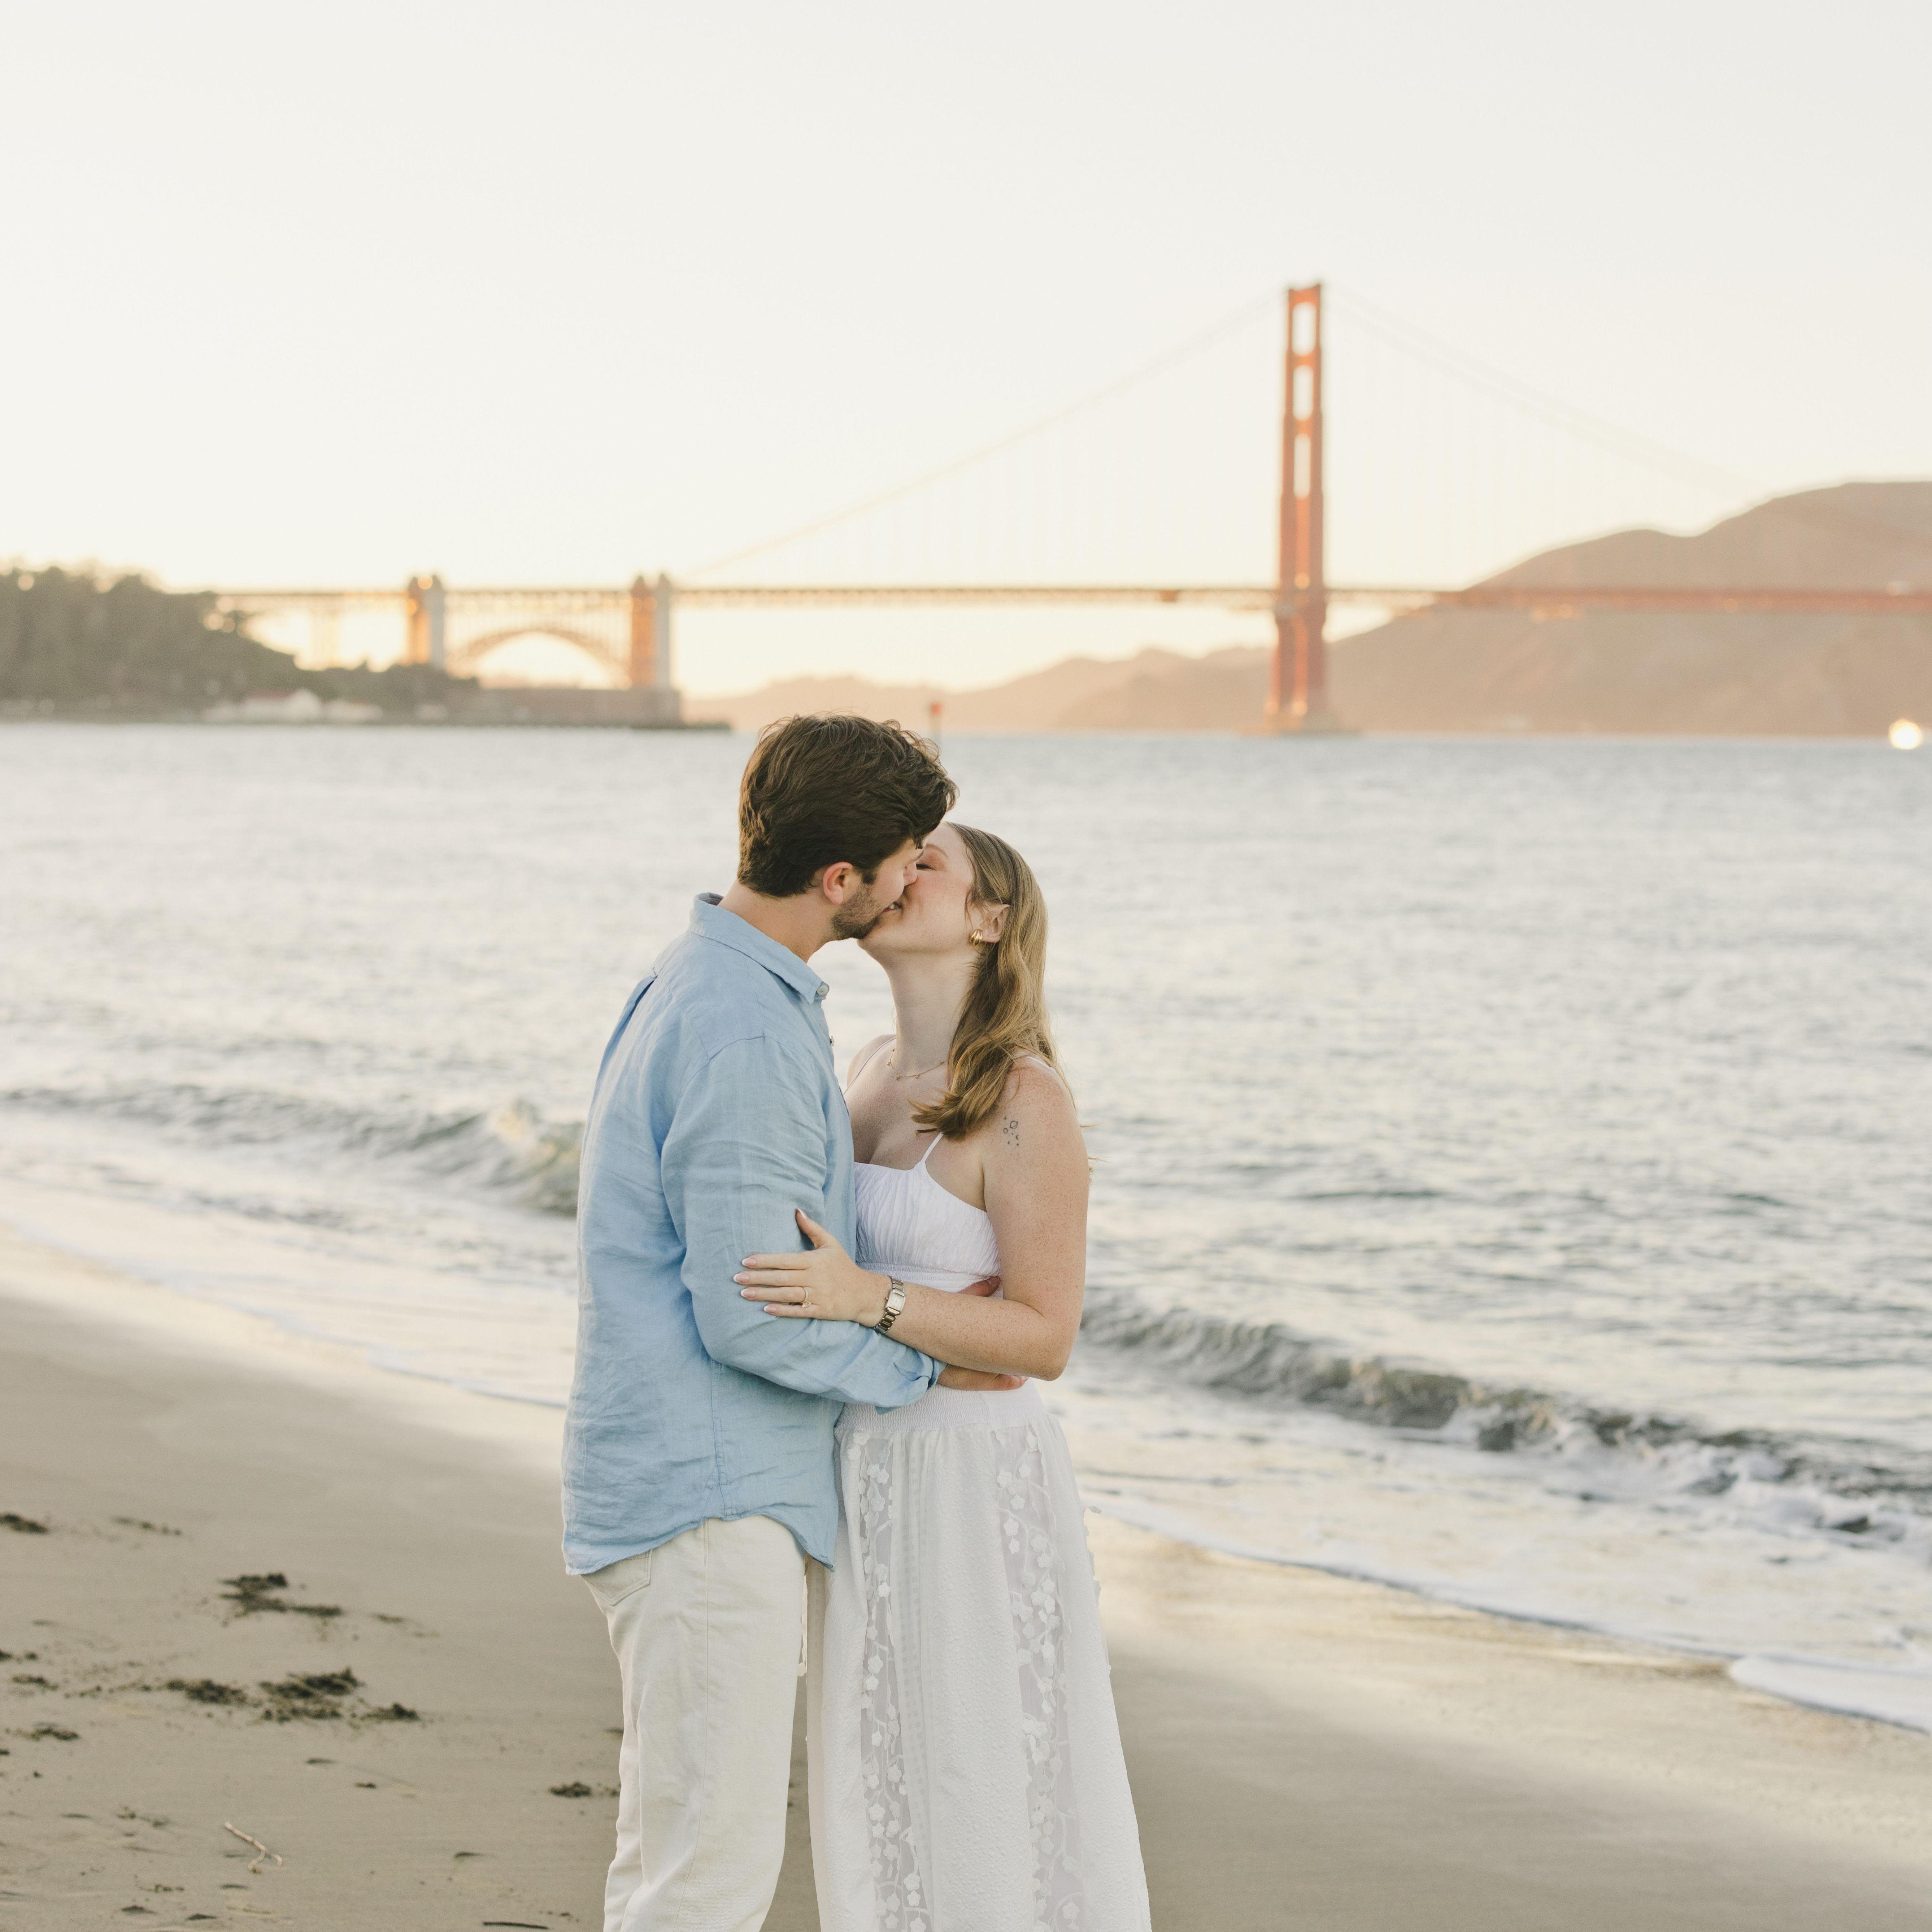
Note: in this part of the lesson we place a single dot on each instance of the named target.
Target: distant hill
(1471, 670)
(1154, 691)
(1485, 670)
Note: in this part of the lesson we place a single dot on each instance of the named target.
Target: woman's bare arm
(1036, 1172)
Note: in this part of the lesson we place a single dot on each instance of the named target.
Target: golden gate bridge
(626, 631)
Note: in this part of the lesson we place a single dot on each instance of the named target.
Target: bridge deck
(1549, 600)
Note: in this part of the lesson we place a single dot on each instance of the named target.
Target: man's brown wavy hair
(822, 789)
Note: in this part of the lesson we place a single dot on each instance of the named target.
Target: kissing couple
(804, 1433)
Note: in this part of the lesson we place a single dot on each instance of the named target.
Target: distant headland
(75, 645)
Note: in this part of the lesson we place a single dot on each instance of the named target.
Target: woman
(966, 1766)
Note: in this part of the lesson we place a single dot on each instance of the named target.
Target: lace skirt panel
(965, 1760)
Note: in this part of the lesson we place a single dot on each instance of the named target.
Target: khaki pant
(706, 1631)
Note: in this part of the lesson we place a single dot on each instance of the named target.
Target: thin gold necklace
(892, 1060)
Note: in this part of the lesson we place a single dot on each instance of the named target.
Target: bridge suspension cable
(1460, 364)
(1182, 351)
(1451, 359)
(1432, 490)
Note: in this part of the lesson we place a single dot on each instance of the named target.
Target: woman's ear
(989, 924)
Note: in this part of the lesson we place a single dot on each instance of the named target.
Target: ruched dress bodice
(909, 1226)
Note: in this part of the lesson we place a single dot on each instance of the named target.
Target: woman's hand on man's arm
(823, 1283)
(1035, 1164)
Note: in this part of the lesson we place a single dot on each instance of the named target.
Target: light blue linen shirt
(717, 1111)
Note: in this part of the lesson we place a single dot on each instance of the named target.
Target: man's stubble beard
(855, 922)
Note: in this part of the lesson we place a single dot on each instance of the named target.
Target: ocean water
(1512, 1157)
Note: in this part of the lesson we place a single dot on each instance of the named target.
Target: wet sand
(417, 1719)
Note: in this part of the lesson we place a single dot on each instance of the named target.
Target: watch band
(896, 1301)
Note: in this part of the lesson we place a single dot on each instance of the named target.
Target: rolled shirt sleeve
(746, 1149)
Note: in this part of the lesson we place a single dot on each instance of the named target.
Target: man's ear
(839, 882)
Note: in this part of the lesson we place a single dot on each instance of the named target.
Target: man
(698, 1451)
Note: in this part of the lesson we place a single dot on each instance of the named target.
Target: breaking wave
(1864, 1491)
(511, 1151)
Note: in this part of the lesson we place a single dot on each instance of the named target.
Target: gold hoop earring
(976, 937)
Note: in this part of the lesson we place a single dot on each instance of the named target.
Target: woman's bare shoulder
(866, 1055)
(1037, 1081)
(1037, 1101)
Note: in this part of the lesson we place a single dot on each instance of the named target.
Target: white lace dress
(965, 1762)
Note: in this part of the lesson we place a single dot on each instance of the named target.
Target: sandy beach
(250, 1585)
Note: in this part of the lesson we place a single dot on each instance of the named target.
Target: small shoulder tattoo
(1009, 1131)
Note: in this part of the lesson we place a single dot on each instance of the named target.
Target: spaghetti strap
(927, 1155)
(878, 1045)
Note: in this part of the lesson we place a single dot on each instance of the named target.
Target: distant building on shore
(293, 707)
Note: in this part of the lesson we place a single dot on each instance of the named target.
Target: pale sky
(552, 294)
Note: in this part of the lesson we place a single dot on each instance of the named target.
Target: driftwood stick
(255, 1863)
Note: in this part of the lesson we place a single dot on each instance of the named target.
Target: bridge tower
(650, 633)
(1297, 699)
(643, 633)
(425, 635)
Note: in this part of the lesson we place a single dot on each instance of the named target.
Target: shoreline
(1371, 1757)
(1830, 1688)
(124, 1291)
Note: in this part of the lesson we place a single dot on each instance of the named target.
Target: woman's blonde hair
(1005, 1014)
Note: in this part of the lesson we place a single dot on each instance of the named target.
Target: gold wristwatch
(896, 1294)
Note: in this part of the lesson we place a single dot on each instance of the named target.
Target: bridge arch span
(466, 657)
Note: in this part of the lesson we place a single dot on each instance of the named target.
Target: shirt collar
(709, 920)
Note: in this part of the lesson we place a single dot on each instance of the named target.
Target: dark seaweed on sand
(25, 1525)
(256, 1593)
(329, 1683)
(315, 1696)
(205, 1690)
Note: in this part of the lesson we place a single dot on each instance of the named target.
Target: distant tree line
(71, 643)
